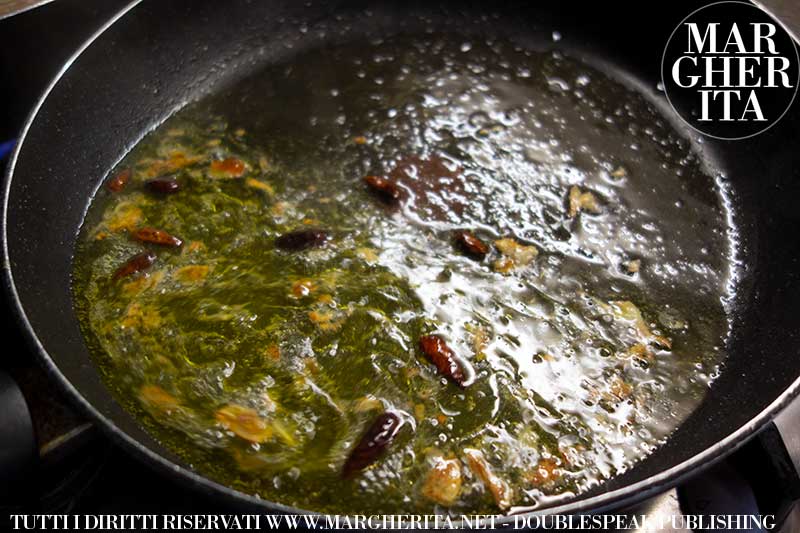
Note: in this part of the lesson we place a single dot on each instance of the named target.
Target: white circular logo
(730, 70)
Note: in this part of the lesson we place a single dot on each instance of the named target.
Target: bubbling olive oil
(586, 316)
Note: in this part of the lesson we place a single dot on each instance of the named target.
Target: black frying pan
(155, 56)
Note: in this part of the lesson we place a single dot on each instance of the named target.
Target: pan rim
(626, 495)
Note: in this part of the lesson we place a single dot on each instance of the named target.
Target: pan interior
(583, 359)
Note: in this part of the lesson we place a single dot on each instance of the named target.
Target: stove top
(78, 470)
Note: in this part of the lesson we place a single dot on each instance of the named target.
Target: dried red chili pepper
(385, 189)
(471, 245)
(135, 264)
(373, 443)
(157, 236)
(119, 180)
(438, 353)
(163, 185)
(301, 239)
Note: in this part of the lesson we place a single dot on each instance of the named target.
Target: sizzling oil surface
(582, 363)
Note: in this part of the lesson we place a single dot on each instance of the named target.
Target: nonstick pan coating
(155, 56)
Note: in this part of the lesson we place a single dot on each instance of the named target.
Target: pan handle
(18, 450)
